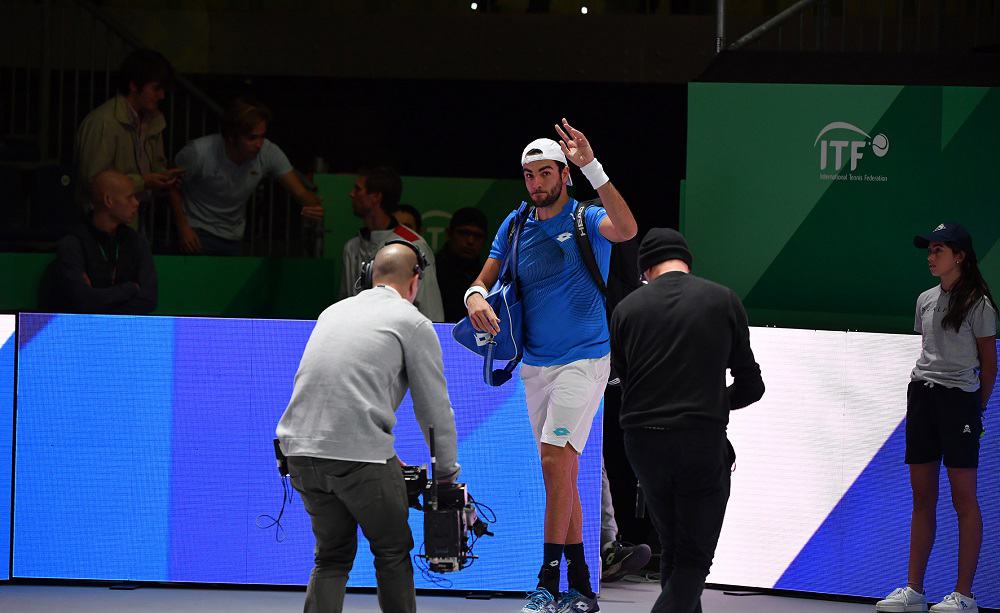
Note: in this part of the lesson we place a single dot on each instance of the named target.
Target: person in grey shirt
(949, 389)
(221, 173)
(362, 356)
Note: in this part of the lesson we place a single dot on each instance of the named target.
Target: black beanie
(660, 245)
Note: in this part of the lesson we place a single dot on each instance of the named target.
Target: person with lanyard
(948, 392)
(566, 363)
(104, 266)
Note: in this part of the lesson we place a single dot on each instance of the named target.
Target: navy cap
(947, 233)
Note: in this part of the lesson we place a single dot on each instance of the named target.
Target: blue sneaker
(575, 602)
(540, 601)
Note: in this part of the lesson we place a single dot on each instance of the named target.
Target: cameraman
(363, 354)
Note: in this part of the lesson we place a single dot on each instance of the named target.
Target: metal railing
(880, 26)
(50, 88)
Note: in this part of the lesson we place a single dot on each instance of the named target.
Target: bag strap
(508, 274)
(508, 269)
(583, 242)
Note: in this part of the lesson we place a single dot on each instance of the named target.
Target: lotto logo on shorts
(561, 432)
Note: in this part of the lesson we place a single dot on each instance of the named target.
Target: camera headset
(364, 280)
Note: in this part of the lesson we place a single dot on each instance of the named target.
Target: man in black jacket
(460, 259)
(104, 266)
(671, 344)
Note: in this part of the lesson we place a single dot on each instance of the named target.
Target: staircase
(933, 42)
(48, 87)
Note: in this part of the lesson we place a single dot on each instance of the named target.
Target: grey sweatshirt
(363, 354)
(362, 248)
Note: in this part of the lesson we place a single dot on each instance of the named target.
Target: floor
(615, 598)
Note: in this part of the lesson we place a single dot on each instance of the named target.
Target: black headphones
(364, 280)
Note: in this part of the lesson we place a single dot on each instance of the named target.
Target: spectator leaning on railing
(221, 173)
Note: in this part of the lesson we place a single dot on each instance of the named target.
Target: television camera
(451, 520)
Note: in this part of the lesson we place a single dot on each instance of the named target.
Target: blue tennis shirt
(564, 316)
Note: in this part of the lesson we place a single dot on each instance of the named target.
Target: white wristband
(475, 289)
(595, 173)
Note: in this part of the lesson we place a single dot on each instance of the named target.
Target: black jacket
(122, 278)
(454, 276)
(671, 343)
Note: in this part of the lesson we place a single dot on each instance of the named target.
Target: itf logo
(435, 222)
(837, 152)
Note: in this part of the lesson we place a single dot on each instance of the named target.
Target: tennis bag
(505, 300)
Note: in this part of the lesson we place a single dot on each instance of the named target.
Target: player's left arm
(620, 224)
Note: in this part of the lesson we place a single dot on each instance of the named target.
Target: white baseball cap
(550, 150)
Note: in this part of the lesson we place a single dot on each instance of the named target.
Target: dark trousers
(215, 245)
(340, 496)
(684, 475)
(210, 245)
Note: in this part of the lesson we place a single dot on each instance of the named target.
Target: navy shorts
(942, 422)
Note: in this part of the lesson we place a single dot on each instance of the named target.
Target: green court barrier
(216, 286)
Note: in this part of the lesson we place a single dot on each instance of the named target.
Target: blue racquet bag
(505, 300)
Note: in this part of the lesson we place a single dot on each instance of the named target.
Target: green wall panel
(814, 247)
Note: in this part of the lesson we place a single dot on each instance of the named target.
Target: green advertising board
(281, 287)
(805, 198)
(435, 197)
(294, 288)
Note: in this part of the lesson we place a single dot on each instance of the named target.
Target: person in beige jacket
(126, 132)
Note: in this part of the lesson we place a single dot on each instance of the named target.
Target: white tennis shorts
(562, 400)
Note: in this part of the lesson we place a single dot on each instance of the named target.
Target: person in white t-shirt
(221, 173)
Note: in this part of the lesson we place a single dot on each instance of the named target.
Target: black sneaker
(619, 559)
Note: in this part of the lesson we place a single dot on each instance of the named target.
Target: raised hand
(574, 144)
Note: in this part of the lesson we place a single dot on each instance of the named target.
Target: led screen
(144, 453)
(821, 497)
(6, 433)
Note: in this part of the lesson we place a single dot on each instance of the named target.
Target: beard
(551, 197)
